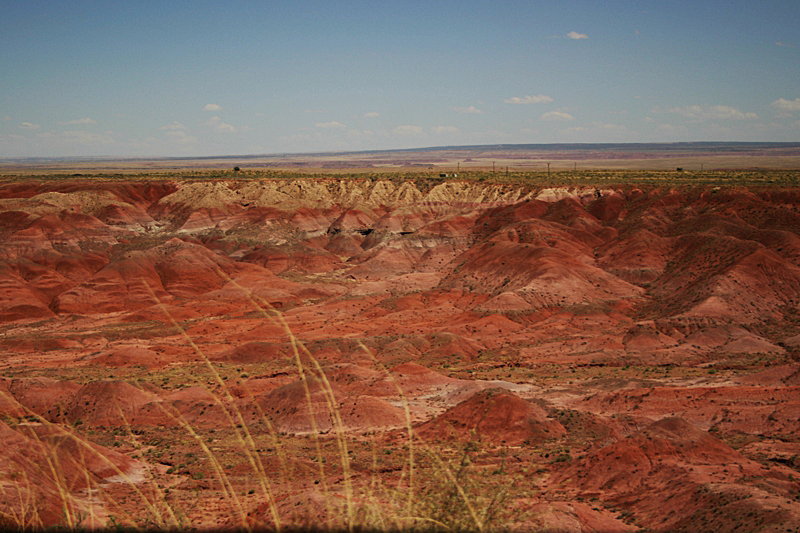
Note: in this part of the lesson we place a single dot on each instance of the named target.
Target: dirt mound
(120, 286)
(413, 379)
(127, 216)
(645, 336)
(126, 356)
(770, 411)
(661, 475)
(725, 277)
(41, 394)
(355, 379)
(187, 270)
(498, 217)
(18, 299)
(494, 416)
(609, 207)
(774, 376)
(9, 405)
(29, 457)
(638, 258)
(571, 517)
(541, 275)
(367, 413)
(302, 406)
(204, 218)
(571, 212)
(196, 406)
(314, 405)
(352, 220)
(103, 403)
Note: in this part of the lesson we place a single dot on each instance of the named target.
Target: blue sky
(197, 78)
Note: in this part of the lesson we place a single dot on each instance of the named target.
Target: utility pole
(492, 166)
(548, 169)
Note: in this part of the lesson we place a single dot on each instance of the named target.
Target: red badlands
(253, 352)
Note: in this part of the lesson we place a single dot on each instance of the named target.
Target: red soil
(493, 416)
(617, 309)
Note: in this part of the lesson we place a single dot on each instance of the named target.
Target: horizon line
(518, 146)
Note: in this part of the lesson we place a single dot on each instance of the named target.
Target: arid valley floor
(581, 352)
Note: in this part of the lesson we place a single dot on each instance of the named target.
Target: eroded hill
(578, 358)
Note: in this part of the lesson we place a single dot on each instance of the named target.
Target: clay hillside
(608, 352)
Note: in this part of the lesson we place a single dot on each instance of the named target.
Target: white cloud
(219, 126)
(605, 126)
(330, 125)
(576, 35)
(6, 118)
(408, 130)
(787, 105)
(557, 115)
(81, 137)
(212, 107)
(648, 120)
(529, 99)
(713, 112)
(78, 122)
(29, 126)
(441, 130)
(372, 114)
(672, 130)
(173, 127)
(782, 44)
(180, 137)
(467, 110)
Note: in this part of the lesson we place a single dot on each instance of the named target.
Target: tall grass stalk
(409, 428)
(375, 514)
(29, 515)
(273, 315)
(276, 317)
(244, 436)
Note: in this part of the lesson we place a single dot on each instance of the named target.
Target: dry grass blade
(71, 507)
(244, 436)
(409, 428)
(298, 349)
